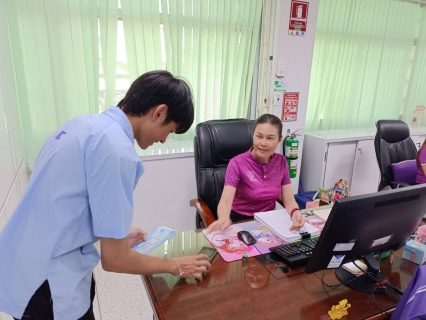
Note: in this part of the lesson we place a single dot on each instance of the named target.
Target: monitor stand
(363, 282)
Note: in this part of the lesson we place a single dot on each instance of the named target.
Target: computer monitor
(361, 226)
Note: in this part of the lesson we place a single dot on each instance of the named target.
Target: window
(122, 82)
(212, 44)
(363, 54)
(78, 57)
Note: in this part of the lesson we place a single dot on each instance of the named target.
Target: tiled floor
(121, 296)
(4, 316)
(118, 296)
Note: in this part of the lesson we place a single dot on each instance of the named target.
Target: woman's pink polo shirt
(258, 184)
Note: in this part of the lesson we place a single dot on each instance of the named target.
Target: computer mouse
(283, 268)
(246, 237)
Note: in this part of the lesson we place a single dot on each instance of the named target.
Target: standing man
(80, 191)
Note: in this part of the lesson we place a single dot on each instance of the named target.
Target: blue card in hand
(154, 239)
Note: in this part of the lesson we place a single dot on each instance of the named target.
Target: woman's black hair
(160, 87)
(271, 119)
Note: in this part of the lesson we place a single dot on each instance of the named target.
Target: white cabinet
(331, 155)
(366, 173)
(339, 162)
(353, 161)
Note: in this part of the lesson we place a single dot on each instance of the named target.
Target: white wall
(295, 52)
(13, 173)
(163, 193)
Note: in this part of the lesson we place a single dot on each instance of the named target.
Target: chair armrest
(400, 184)
(203, 210)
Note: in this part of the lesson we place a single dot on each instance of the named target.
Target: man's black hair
(271, 119)
(160, 87)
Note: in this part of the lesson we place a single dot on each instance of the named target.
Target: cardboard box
(415, 251)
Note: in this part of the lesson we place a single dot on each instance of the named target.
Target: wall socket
(418, 145)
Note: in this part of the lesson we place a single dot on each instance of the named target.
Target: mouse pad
(231, 248)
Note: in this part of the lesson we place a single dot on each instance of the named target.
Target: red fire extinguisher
(291, 152)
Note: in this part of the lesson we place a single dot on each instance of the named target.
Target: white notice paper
(344, 246)
(379, 242)
(336, 261)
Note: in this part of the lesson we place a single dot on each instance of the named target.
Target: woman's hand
(192, 266)
(298, 220)
(220, 224)
(135, 236)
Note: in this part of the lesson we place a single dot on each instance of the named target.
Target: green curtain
(361, 57)
(54, 45)
(210, 43)
(416, 89)
(65, 50)
(108, 18)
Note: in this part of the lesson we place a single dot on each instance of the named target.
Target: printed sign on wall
(298, 18)
(290, 105)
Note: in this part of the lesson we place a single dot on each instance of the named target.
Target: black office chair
(393, 144)
(216, 142)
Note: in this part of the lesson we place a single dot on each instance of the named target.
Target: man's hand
(192, 266)
(220, 224)
(135, 236)
(298, 220)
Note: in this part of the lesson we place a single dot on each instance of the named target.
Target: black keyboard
(297, 252)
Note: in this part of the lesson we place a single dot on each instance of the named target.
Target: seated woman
(421, 164)
(257, 178)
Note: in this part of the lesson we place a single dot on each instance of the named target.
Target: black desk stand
(364, 282)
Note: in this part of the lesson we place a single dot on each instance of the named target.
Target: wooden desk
(239, 290)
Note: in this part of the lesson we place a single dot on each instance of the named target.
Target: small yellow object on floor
(340, 310)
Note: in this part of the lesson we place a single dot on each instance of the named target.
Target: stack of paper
(352, 268)
(279, 222)
(322, 213)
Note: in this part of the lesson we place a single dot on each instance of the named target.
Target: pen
(143, 241)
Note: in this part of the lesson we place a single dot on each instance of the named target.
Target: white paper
(344, 246)
(279, 221)
(352, 268)
(381, 241)
(336, 261)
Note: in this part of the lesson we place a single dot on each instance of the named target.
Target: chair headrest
(221, 140)
(392, 130)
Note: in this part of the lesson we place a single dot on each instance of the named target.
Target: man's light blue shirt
(81, 189)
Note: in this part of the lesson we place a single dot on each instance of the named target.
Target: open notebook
(279, 222)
